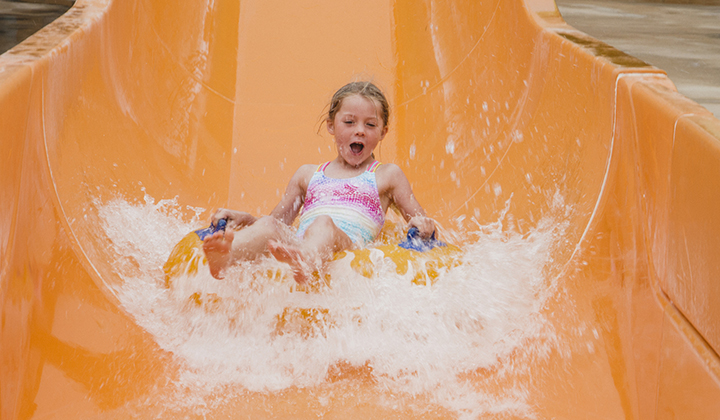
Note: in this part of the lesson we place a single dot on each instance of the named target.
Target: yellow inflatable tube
(187, 258)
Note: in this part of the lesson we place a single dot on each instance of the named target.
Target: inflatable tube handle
(203, 233)
(416, 243)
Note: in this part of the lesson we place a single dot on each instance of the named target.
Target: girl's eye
(348, 122)
(371, 125)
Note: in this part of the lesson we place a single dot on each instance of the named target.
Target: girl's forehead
(358, 103)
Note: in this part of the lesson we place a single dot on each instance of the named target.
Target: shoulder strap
(373, 167)
(322, 166)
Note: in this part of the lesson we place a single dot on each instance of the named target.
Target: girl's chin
(355, 160)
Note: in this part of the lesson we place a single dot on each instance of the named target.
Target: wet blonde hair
(365, 89)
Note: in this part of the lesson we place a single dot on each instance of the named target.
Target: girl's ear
(330, 127)
(384, 131)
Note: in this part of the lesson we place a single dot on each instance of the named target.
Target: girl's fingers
(426, 225)
(224, 214)
(235, 219)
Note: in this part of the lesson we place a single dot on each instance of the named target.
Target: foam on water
(411, 341)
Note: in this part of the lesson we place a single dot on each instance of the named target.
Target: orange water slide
(499, 108)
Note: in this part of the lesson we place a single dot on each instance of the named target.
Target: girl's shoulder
(389, 175)
(303, 174)
(308, 168)
(388, 170)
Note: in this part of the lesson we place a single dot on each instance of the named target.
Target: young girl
(343, 201)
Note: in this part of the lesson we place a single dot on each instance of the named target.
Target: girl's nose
(360, 129)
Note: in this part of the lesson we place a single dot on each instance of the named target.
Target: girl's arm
(291, 202)
(398, 191)
(285, 211)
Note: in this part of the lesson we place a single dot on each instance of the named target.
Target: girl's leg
(224, 248)
(321, 239)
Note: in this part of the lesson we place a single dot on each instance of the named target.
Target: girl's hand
(235, 219)
(425, 225)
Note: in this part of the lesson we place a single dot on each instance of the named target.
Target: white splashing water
(416, 343)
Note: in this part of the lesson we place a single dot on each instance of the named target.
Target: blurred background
(20, 19)
(681, 37)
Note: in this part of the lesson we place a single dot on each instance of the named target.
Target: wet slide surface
(574, 178)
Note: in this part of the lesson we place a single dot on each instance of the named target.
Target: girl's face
(357, 129)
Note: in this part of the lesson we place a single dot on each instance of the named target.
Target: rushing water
(246, 334)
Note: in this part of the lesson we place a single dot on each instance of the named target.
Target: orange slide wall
(217, 102)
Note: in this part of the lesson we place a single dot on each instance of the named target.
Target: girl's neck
(341, 169)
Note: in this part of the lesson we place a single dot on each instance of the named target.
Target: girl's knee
(333, 236)
(268, 225)
(323, 221)
(265, 220)
(323, 225)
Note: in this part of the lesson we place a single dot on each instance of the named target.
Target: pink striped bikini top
(352, 203)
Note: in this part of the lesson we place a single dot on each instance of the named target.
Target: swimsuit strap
(322, 166)
(373, 167)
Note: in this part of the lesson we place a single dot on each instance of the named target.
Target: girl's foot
(294, 257)
(217, 249)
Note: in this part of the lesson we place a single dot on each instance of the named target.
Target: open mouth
(357, 147)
